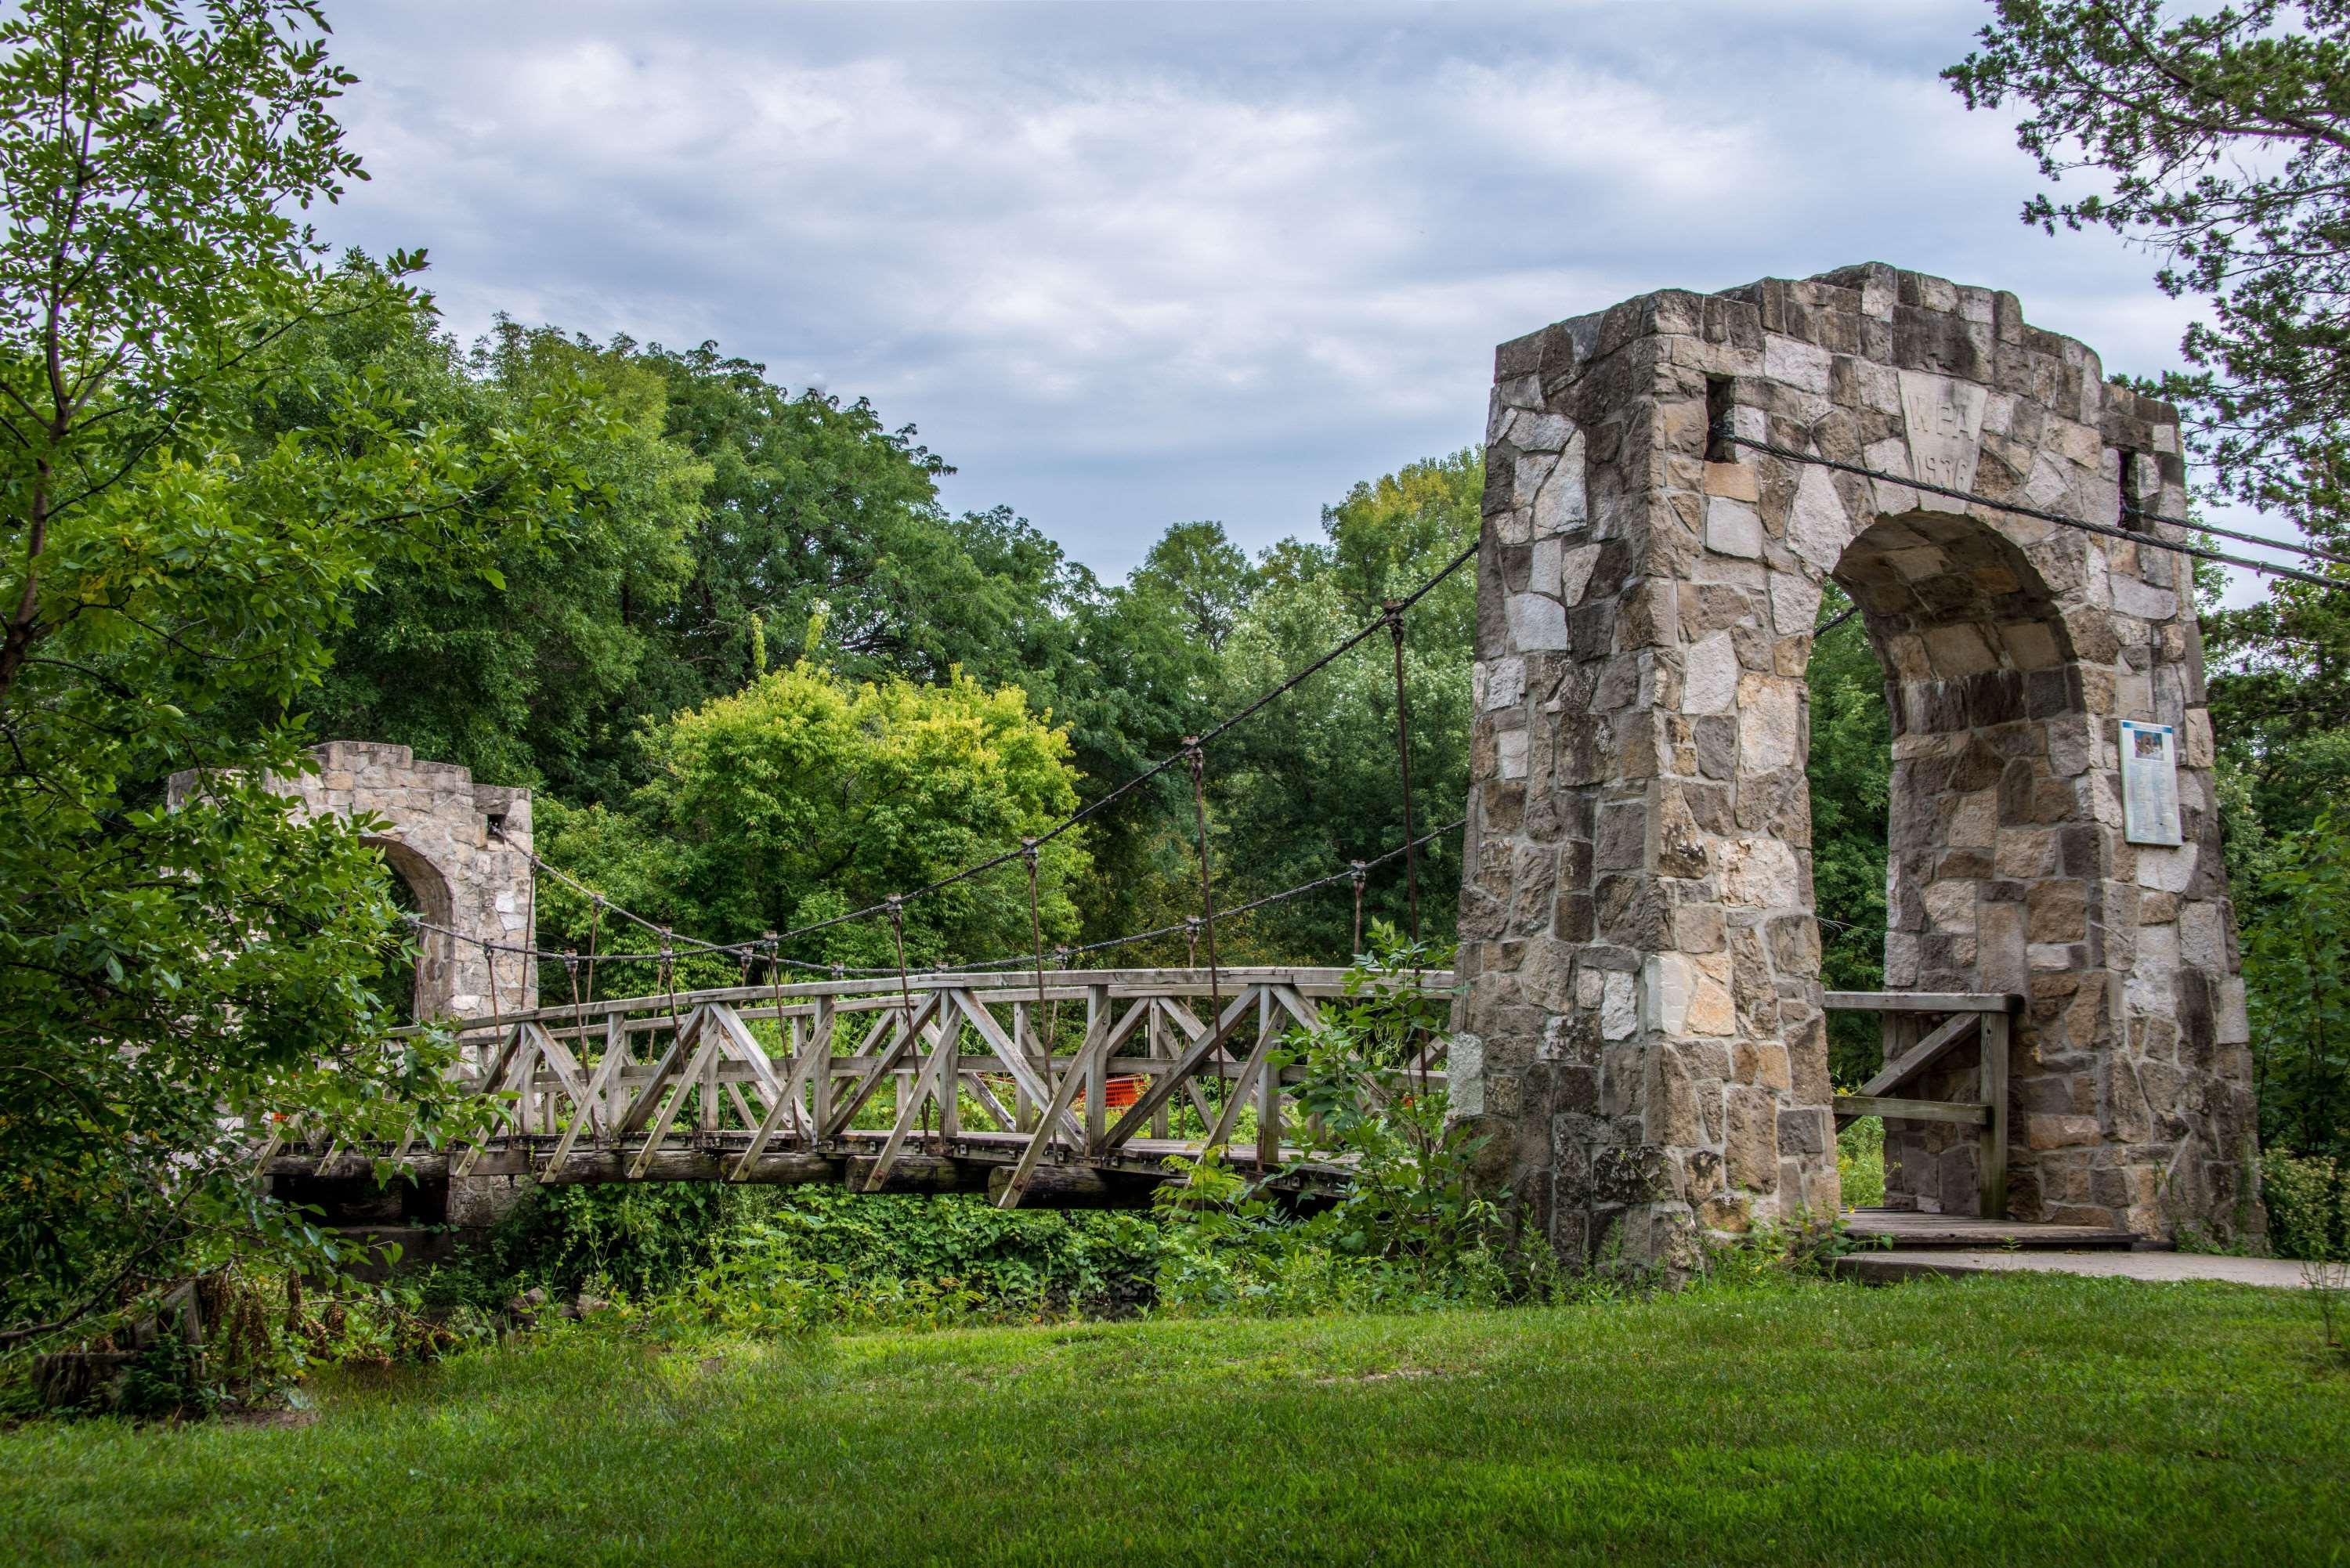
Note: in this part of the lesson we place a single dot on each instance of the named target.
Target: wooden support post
(1158, 1050)
(608, 1070)
(1268, 1094)
(948, 1076)
(1097, 1080)
(706, 1102)
(1997, 1031)
(1023, 1105)
(819, 1073)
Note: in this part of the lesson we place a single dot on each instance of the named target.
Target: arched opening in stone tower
(1850, 768)
(1987, 869)
(418, 988)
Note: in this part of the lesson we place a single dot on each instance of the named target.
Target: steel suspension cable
(1207, 876)
(2299, 547)
(1036, 936)
(2265, 569)
(1403, 764)
(1065, 825)
(1189, 925)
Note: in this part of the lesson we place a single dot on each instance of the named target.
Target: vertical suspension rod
(1198, 757)
(1395, 608)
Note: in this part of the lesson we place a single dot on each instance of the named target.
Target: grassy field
(2014, 1420)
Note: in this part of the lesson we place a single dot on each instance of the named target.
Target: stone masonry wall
(1641, 1018)
(437, 838)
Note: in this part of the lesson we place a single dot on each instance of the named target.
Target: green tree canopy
(806, 795)
(2222, 143)
(535, 674)
(176, 565)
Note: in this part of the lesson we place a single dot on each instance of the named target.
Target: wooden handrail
(1992, 1016)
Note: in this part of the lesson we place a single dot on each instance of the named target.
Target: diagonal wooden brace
(1162, 1088)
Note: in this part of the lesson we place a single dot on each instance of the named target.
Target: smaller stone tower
(437, 834)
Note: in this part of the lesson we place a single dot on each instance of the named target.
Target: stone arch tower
(1642, 1004)
(436, 838)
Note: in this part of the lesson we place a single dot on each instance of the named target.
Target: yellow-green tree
(806, 795)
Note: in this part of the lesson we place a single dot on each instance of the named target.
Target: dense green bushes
(2308, 1198)
(805, 1256)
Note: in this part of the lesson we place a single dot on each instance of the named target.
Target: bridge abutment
(1640, 945)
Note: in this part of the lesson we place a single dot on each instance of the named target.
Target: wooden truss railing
(955, 1080)
(1920, 1029)
(968, 1082)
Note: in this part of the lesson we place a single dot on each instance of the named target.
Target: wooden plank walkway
(1905, 1228)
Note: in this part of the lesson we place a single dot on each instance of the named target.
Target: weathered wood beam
(1077, 1187)
(920, 1173)
(1921, 1002)
(1923, 1055)
(775, 1168)
(1962, 1113)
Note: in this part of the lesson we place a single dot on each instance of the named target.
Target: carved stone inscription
(1944, 418)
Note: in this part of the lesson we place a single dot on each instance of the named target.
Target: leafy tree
(2221, 142)
(820, 529)
(1315, 783)
(806, 795)
(169, 566)
(2224, 139)
(1200, 577)
(536, 675)
(2297, 981)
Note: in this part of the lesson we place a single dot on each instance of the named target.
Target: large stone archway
(1640, 945)
(436, 836)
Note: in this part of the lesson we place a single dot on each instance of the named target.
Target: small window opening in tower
(1720, 410)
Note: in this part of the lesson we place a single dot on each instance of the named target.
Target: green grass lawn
(2041, 1419)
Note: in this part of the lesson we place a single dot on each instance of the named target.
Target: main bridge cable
(1387, 617)
(2265, 569)
(1181, 756)
(1016, 960)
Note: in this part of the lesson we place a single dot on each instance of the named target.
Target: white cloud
(1130, 265)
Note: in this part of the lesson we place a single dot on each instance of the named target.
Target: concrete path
(1899, 1263)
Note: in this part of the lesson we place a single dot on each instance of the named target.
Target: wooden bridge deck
(1079, 1089)
(769, 1083)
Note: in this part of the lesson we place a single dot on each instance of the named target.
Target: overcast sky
(1127, 264)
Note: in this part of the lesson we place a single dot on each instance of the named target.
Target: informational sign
(2149, 783)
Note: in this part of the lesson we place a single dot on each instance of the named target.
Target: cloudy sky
(1128, 265)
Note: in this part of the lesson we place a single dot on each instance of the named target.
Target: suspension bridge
(1637, 1021)
(1016, 1076)
(1070, 1088)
